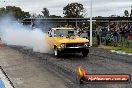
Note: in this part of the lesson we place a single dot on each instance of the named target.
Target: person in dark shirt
(98, 35)
(130, 29)
(126, 36)
(115, 32)
(121, 34)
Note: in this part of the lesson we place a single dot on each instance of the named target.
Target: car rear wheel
(85, 53)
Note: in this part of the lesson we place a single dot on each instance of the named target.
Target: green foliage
(39, 16)
(131, 12)
(126, 13)
(15, 11)
(2, 10)
(54, 16)
(45, 12)
(74, 10)
(124, 49)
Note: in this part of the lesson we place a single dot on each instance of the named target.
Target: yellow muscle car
(66, 40)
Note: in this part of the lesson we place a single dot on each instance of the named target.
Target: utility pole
(4, 3)
(76, 24)
(90, 22)
(131, 12)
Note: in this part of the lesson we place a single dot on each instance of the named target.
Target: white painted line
(5, 80)
(121, 52)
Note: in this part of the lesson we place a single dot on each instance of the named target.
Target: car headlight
(62, 45)
(86, 44)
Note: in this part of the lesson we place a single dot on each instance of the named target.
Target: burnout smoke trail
(14, 33)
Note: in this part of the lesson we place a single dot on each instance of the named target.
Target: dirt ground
(25, 72)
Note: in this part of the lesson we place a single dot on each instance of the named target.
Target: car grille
(74, 44)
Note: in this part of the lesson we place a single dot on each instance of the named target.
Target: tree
(126, 13)
(99, 16)
(113, 16)
(85, 14)
(131, 12)
(54, 16)
(45, 12)
(40, 16)
(2, 10)
(34, 15)
(74, 10)
(15, 11)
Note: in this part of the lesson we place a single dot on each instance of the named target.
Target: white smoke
(15, 33)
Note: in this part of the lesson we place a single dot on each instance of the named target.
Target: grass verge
(128, 50)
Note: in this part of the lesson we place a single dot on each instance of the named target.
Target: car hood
(72, 40)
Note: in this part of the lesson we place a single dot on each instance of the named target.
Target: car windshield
(65, 32)
(84, 35)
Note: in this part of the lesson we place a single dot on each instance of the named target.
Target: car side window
(52, 33)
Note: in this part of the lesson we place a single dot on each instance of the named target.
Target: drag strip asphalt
(26, 72)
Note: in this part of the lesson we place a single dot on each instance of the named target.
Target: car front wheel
(56, 52)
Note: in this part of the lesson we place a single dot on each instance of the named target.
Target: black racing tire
(85, 53)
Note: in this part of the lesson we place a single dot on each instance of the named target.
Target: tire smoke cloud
(14, 33)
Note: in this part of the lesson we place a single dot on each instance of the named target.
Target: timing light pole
(131, 12)
(90, 22)
(4, 3)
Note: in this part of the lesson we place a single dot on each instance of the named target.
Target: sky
(100, 7)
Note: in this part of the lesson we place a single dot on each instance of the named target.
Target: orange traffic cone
(1, 44)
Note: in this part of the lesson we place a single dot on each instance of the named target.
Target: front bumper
(73, 49)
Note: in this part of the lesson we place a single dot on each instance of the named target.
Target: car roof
(62, 28)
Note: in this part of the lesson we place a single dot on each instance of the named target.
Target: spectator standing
(122, 28)
(130, 29)
(126, 36)
(121, 33)
(114, 31)
(103, 33)
(98, 35)
(118, 33)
